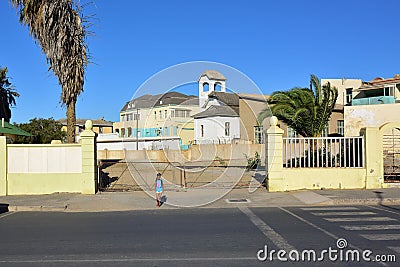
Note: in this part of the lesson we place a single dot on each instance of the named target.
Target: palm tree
(58, 28)
(306, 110)
(7, 95)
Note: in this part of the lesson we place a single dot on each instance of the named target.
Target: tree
(58, 27)
(42, 131)
(306, 110)
(7, 95)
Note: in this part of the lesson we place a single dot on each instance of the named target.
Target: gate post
(3, 166)
(89, 159)
(273, 157)
(373, 157)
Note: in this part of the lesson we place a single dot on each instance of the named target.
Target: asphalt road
(200, 237)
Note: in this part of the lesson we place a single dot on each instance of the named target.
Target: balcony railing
(374, 100)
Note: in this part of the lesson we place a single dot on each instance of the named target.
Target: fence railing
(324, 152)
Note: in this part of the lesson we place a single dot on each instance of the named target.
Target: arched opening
(206, 87)
(117, 131)
(217, 87)
(123, 132)
(129, 132)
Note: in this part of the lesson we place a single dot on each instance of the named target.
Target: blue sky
(278, 44)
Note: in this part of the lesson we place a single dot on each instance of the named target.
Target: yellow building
(100, 126)
(160, 116)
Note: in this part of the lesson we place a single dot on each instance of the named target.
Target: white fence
(324, 152)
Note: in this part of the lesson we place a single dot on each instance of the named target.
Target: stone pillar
(89, 159)
(373, 145)
(3, 166)
(273, 157)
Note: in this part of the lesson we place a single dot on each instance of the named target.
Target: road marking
(323, 230)
(331, 208)
(276, 238)
(347, 213)
(391, 211)
(360, 219)
(371, 227)
(7, 214)
(382, 237)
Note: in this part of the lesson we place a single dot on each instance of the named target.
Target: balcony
(376, 100)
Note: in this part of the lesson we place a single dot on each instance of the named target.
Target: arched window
(217, 87)
(123, 132)
(129, 132)
(206, 87)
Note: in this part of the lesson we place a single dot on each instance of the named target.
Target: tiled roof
(217, 111)
(11, 129)
(229, 99)
(213, 75)
(170, 98)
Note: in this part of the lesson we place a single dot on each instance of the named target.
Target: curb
(366, 201)
(36, 208)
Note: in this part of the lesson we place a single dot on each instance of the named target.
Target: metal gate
(391, 155)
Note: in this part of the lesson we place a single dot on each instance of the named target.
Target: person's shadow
(163, 200)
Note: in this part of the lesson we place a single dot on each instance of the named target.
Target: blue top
(159, 185)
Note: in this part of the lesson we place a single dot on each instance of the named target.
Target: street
(199, 237)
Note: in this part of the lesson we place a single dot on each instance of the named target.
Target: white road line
(382, 237)
(330, 208)
(360, 219)
(323, 230)
(371, 227)
(7, 214)
(276, 238)
(383, 209)
(347, 213)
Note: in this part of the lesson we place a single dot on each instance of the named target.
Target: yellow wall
(29, 183)
(317, 178)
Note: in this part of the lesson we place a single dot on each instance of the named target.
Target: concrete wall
(248, 111)
(195, 153)
(46, 169)
(357, 117)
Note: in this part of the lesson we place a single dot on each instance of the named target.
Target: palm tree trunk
(71, 122)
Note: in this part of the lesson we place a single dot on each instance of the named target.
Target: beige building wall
(357, 117)
(342, 85)
(248, 112)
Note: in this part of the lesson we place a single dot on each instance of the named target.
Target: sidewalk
(125, 201)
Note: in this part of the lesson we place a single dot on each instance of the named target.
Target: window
(388, 91)
(349, 95)
(165, 113)
(166, 133)
(202, 130)
(136, 116)
(217, 87)
(182, 113)
(291, 133)
(172, 113)
(340, 127)
(258, 135)
(227, 128)
(155, 115)
(129, 131)
(325, 131)
(205, 87)
(100, 129)
(175, 130)
(160, 114)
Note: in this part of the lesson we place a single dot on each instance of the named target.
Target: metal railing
(323, 152)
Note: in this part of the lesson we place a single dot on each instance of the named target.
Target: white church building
(219, 121)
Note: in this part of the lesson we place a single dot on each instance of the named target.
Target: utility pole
(137, 128)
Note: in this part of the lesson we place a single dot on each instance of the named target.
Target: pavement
(203, 198)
